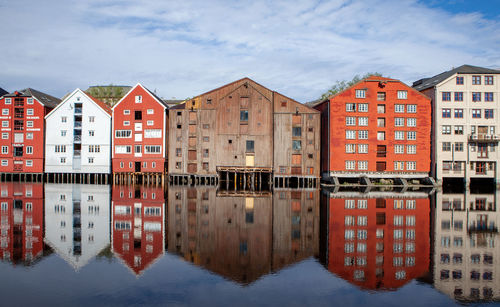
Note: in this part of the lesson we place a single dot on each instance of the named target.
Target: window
(411, 135)
(381, 96)
(362, 148)
(150, 111)
(30, 112)
(363, 121)
(5, 124)
(459, 130)
(380, 135)
(296, 145)
(459, 96)
(150, 122)
(350, 121)
(205, 153)
(488, 96)
(29, 150)
(63, 119)
(381, 108)
(296, 131)
(399, 149)
(91, 133)
(446, 130)
(446, 96)
(446, 113)
(29, 163)
(399, 108)
(5, 162)
(91, 160)
(362, 165)
(488, 113)
(5, 111)
(138, 99)
(476, 113)
(363, 134)
(476, 96)
(5, 150)
(399, 135)
(126, 112)
(60, 148)
(29, 136)
(399, 122)
(476, 80)
(459, 146)
(91, 119)
(350, 134)
(460, 80)
(411, 108)
(363, 107)
(123, 149)
(488, 80)
(459, 113)
(152, 133)
(350, 165)
(411, 165)
(411, 122)
(350, 107)
(244, 115)
(126, 123)
(150, 149)
(446, 146)
(94, 148)
(5, 136)
(350, 148)
(138, 115)
(411, 149)
(360, 93)
(29, 124)
(63, 160)
(402, 94)
(250, 146)
(123, 133)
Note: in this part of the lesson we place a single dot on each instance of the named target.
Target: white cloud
(184, 48)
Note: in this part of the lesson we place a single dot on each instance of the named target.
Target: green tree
(339, 86)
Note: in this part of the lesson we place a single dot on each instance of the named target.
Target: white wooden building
(78, 137)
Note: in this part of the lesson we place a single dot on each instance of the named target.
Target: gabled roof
(3, 92)
(158, 99)
(45, 99)
(99, 103)
(426, 83)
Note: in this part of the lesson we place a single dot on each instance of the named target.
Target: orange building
(138, 225)
(21, 212)
(378, 243)
(378, 128)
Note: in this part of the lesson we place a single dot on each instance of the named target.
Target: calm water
(97, 245)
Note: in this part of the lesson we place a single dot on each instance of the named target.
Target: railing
(78, 110)
(483, 137)
(77, 138)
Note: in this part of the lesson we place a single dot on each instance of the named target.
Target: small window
(63, 119)
(297, 131)
(91, 119)
(150, 111)
(381, 96)
(138, 99)
(249, 146)
(402, 94)
(244, 115)
(360, 93)
(126, 112)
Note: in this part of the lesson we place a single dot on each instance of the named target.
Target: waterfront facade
(465, 122)
(242, 133)
(79, 141)
(377, 128)
(23, 130)
(139, 133)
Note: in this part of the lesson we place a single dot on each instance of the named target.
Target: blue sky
(184, 48)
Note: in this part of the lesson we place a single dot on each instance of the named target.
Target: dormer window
(138, 99)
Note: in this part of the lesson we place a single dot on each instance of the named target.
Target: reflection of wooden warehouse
(244, 133)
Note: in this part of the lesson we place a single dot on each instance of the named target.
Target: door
(250, 160)
(380, 166)
(137, 167)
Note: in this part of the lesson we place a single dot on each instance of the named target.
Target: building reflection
(21, 234)
(377, 240)
(242, 236)
(77, 221)
(466, 256)
(138, 225)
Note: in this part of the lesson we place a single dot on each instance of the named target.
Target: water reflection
(466, 258)
(21, 240)
(243, 236)
(77, 221)
(138, 221)
(378, 240)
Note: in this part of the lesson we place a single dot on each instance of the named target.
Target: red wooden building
(22, 128)
(138, 225)
(378, 243)
(379, 128)
(21, 212)
(139, 133)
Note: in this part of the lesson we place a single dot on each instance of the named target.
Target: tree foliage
(339, 86)
(110, 91)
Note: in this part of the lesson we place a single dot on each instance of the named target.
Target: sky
(184, 48)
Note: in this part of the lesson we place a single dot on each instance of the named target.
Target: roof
(3, 92)
(172, 102)
(158, 99)
(426, 83)
(155, 96)
(101, 104)
(45, 99)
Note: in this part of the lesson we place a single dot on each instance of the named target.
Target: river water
(64, 244)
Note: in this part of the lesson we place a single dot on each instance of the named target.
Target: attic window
(138, 99)
(209, 101)
(30, 100)
(179, 113)
(283, 103)
(77, 98)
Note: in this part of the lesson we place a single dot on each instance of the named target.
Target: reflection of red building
(378, 243)
(21, 212)
(138, 221)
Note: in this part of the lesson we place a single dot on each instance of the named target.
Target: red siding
(159, 119)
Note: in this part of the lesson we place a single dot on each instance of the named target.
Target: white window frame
(402, 94)
(360, 94)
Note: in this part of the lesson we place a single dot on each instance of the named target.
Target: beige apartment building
(466, 252)
(466, 122)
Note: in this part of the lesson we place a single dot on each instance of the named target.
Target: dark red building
(21, 225)
(138, 225)
(139, 133)
(22, 130)
(379, 127)
(378, 243)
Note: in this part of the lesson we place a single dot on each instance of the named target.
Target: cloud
(182, 49)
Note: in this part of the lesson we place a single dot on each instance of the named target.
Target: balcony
(483, 137)
(78, 110)
(77, 138)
